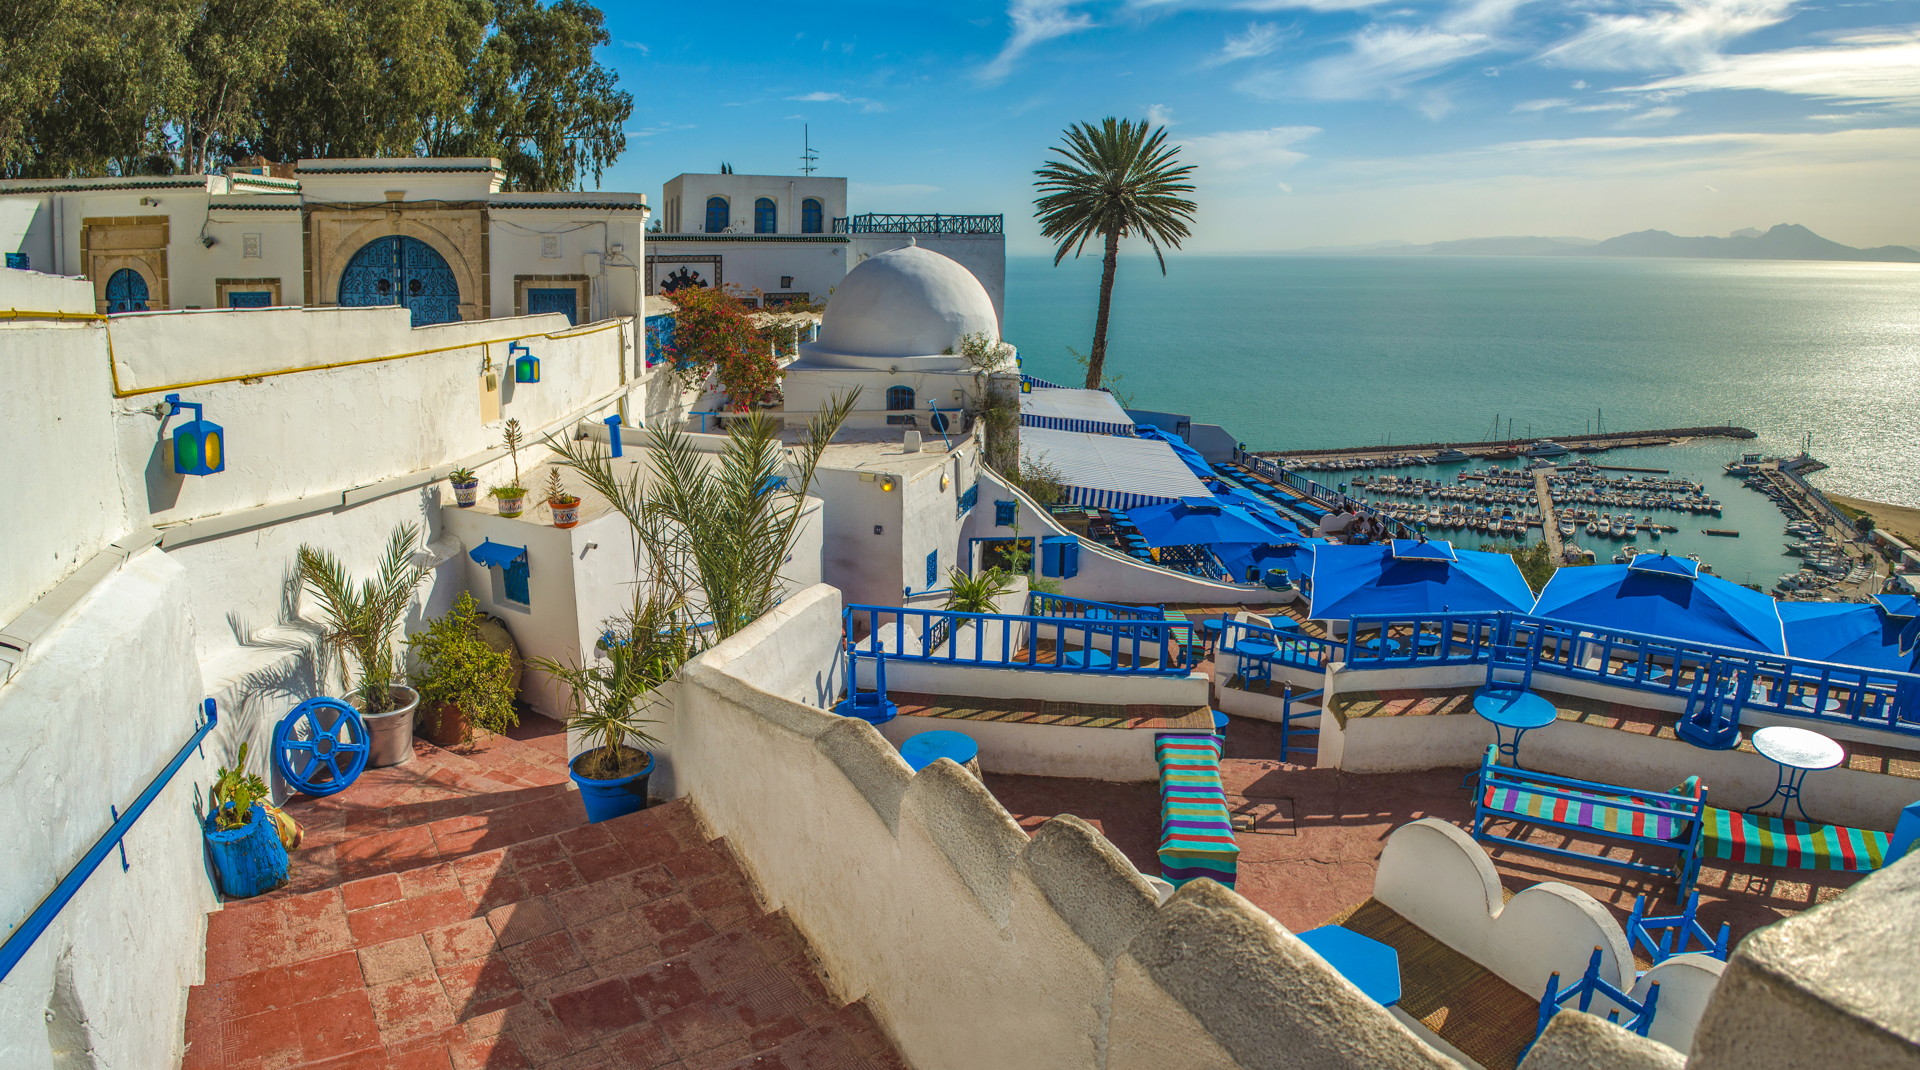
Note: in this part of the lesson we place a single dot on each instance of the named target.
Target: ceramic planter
(390, 734)
(512, 507)
(565, 513)
(445, 725)
(465, 494)
(608, 799)
(248, 860)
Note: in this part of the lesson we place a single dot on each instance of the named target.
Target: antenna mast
(808, 158)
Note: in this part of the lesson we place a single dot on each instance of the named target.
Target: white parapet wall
(975, 945)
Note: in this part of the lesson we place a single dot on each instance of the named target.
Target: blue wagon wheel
(321, 746)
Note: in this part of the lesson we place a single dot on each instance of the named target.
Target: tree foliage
(114, 87)
(1116, 180)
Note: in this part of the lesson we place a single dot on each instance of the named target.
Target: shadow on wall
(163, 483)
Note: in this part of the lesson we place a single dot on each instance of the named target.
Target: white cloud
(1675, 33)
(637, 46)
(823, 97)
(1251, 5)
(1159, 115)
(1034, 22)
(1649, 117)
(1385, 57)
(1258, 39)
(1234, 151)
(1543, 104)
(1875, 68)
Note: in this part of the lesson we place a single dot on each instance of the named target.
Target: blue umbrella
(1260, 508)
(1845, 633)
(1187, 454)
(1409, 578)
(1295, 555)
(1200, 522)
(1660, 598)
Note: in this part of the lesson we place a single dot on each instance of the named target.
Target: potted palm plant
(248, 857)
(361, 621)
(565, 506)
(977, 594)
(640, 651)
(464, 683)
(466, 487)
(511, 498)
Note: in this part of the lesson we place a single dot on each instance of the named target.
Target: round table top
(1219, 720)
(929, 747)
(1213, 624)
(1086, 659)
(1426, 640)
(1382, 644)
(1798, 748)
(1284, 624)
(1829, 705)
(1373, 967)
(1510, 707)
(1258, 648)
(1097, 613)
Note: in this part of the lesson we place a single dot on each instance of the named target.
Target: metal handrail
(23, 937)
(886, 634)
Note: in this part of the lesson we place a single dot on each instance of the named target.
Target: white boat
(1592, 527)
(1566, 527)
(1606, 526)
(1546, 448)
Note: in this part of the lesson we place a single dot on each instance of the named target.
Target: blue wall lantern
(199, 446)
(526, 366)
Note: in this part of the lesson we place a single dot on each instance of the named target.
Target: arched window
(812, 216)
(765, 218)
(899, 399)
(716, 215)
(126, 292)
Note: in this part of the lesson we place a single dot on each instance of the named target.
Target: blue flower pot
(608, 799)
(247, 861)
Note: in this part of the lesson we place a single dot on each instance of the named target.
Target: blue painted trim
(1134, 638)
(30, 930)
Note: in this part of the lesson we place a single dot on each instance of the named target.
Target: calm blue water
(1303, 352)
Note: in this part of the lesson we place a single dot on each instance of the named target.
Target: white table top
(1798, 748)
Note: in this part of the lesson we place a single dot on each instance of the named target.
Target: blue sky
(1313, 122)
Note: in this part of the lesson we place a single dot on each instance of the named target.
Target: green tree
(1113, 181)
(233, 49)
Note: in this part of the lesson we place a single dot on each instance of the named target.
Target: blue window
(968, 499)
(812, 216)
(126, 292)
(513, 581)
(899, 399)
(659, 339)
(716, 215)
(18, 260)
(1004, 513)
(933, 569)
(1060, 556)
(249, 298)
(765, 217)
(564, 300)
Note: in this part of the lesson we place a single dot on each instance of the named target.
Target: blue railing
(1042, 604)
(22, 938)
(1126, 646)
(1257, 643)
(1703, 674)
(876, 223)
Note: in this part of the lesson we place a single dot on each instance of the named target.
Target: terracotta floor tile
(336, 1026)
(406, 917)
(522, 921)
(719, 1058)
(427, 880)
(647, 884)
(453, 944)
(578, 906)
(494, 1053)
(371, 891)
(604, 862)
(549, 877)
(395, 960)
(596, 1011)
(643, 1047)
(668, 986)
(700, 1026)
(259, 1038)
(585, 838)
(408, 1009)
(538, 1035)
(479, 987)
(535, 852)
(612, 936)
(544, 958)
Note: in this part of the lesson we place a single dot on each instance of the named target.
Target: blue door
(126, 292)
(398, 270)
(564, 300)
(249, 298)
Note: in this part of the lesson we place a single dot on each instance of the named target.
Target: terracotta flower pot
(566, 513)
(445, 725)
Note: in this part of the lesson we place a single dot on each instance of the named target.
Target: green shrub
(457, 667)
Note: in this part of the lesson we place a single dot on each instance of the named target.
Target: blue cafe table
(1511, 709)
(929, 747)
(1373, 967)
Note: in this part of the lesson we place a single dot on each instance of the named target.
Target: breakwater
(1482, 448)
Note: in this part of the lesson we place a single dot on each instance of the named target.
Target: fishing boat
(1566, 528)
(1606, 525)
(1592, 527)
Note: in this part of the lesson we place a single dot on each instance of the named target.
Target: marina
(1364, 457)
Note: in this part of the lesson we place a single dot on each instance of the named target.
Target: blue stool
(1220, 728)
(929, 747)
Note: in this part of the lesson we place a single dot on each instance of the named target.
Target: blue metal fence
(1121, 645)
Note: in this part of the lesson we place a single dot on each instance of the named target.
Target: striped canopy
(1110, 471)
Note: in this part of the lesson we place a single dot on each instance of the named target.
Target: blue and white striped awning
(1110, 471)
(1063, 409)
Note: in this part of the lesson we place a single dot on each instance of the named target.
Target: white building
(781, 238)
(436, 236)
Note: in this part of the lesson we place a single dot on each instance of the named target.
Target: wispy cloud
(637, 46)
(1385, 57)
(1543, 104)
(1872, 68)
(1673, 34)
(1232, 152)
(1034, 22)
(824, 97)
(1251, 5)
(1258, 39)
(1159, 115)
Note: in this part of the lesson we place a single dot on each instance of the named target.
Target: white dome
(900, 305)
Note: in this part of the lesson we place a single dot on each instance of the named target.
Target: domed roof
(902, 304)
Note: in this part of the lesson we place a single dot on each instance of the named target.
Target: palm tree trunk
(1097, 360)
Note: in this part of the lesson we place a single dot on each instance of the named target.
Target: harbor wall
(1723, 431)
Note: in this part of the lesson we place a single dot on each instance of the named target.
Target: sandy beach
(1901, 520)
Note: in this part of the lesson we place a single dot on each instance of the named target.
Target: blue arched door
(398, 270)
(126, 292)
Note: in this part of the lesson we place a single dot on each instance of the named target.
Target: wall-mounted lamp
(1026, 387)
(149, 202)
(199, 446)
(943, 481)
(526, 366)
(886, 483)
(613, 432)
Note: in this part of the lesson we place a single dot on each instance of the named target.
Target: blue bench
(1670, 819)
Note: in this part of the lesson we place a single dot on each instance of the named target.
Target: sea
(1303, 352)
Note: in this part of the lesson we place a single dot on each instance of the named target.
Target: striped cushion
(1586, 810)
(1196, 833)
(1772, 841)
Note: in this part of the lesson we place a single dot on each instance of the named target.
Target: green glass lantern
(526, 366)
(199, 445)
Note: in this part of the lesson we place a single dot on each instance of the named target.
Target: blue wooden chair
(1664, 937)
(1584, 990)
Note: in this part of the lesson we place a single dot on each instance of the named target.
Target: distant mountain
(1787, 241)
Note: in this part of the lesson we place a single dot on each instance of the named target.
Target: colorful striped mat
(1772, 841)
(1196, 832)
(1587, 810)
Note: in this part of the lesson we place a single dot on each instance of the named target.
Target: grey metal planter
(390, 734)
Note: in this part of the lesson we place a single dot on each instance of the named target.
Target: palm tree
(1115, 180)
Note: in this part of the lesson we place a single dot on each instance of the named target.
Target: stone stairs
(458, 912)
